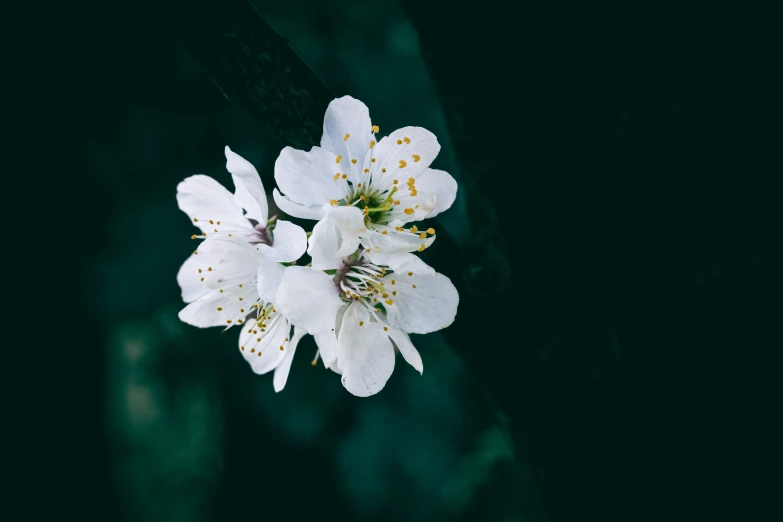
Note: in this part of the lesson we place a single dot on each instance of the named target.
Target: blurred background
(613, 243)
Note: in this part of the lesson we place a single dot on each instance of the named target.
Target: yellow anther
(421, 247)
(361, 323)
(209, 269)
(241, 299)
(199, 270)
(219, 309)
(394, 282)
(414, 229)
(396, 181)
(402, 164)
(195, 220)
(242, 348)
(385, 295)
(431, 231)
(414, 192)
(314, 362)
(399, 142)
(221, 290)
(286, 338)
(396, 201)
(358, 185)
(413, 286)
(333, 202)
(345, 176)
(375, 128)
(372, 143)
(410, 273)
(406, 139)
(372, 160)
(252, 350)
(389, 302)
(394, 292)
(384, 233)
(240, 285)
(242, 310)
(336, 176)
(239, 321)
(258, 339)
(345, 138)
(228, 321)
(218, 222)
(366, 171)
(353, 161)
(385, 328)
(202, 278)
(259, 354)
(194, 236)
(423, 235)
(415, 157)
(408, 211)
(383, 170)
(339, 158)
(281, 348)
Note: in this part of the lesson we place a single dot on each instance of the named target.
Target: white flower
(239, 286)
(358, 315)
(389, 183)
(218, 213)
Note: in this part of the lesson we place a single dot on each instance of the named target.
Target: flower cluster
(364, 289)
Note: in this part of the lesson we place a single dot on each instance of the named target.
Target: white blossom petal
(268, 279)
(396, 242)
(365, 353)
(409, 352)
(227, 307)
(442, 185)
(309, 298)
(284, 368)
(203, 199)
(191, 278)
(405, 153)
(336, 236)
(285, 204)
(401, 262)
(290, 242)
(327, 347)
(423, 304)
(231, 261)
(262, 348)
(249, 190)
(348, 133)
(307, 178)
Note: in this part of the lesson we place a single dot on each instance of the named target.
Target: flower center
(263, 236)
(362, 281)
(375, 204)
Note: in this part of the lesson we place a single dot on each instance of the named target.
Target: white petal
(336, 236)
(249, 190)
(406, 348)
(442, 185)
(348, 133)
(365, 353)
(398, 157)
(309, 298)
(268, 279)
(285, 204)
(412, 208)
(290, 242)
(402, 262)
(307, 178)
(191, 277)
(252, 342)
(283, 369)
(430, 306)
(394, 242)
(231, 260)
(221, 308)
(327, 347)
(204, 199)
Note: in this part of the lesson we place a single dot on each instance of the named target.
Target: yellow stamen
(402, 164)
(339, 158)
(345, 138)
(406, 139)
(408, 211)
(372, 144)
(421, 247)
(353, 161)
(431, 231)
(375, 128)
(414, 229)
(345, 176)
(399, 142)
(336, 176)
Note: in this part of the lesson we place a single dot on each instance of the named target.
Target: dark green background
(613, 244)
